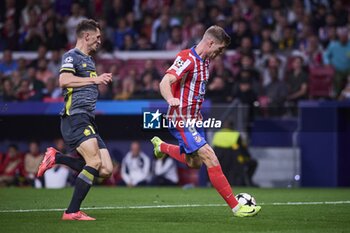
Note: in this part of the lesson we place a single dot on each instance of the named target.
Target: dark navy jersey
(79, 99)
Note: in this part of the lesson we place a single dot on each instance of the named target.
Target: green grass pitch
(166, 210)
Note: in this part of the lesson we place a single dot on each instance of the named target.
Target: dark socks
(82, 186)
(74, 163)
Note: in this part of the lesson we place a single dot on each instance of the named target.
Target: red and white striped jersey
(192, 73)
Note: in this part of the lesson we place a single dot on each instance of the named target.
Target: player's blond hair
(218, 33)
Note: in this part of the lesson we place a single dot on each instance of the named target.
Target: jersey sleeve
(181, 66)
(68, 63)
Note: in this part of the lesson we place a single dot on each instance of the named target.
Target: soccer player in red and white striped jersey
(183, 87)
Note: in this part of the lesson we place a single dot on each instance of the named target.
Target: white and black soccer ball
(246, 199)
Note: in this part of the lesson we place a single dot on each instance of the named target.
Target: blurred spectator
(128, 86)
(287, 41)
(217, 91)
(26, 91)
(297, 82)
(246, 46)
(22, 67)
(54, 38)
(72, 22)
(161, 32)
(240, 30)
(41, 54)
(312, 51)
(276, 93)
(244, 93)
(32, 160)
(341, 12)
(31, 35)
(43, 73)
(220, 69)
(337, 55)
(121, 31)
(52, 91)
(267, 50)
(328, 32)
(255, 28)
(106, 37)
(8, 65)
(9, 12)
(319, 12)
(176, 41)
(27, 12)
(150, 68)
(273, 64)
(9, 36)
(136, 166)
(11, 166)
(146, 27)
(143, 43)
(247, 68)
(165, 172)
(55, 63)
(129, 43)
(146, 86)
(7, 92)
(16, 80)
(117, 9)
(36, 84)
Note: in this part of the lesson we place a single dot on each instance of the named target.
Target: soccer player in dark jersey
(80, 82)
(183, 87)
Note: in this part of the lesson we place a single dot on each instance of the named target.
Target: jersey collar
(79, 51)
(195, 53)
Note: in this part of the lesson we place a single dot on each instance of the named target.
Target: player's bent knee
(105, 172)
(95, 163)
(194, 162)
(208, 156)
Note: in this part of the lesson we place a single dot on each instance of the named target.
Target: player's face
(94, 40)
(216, 49)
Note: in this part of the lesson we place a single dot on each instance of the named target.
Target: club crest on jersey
(197, 138)
(68, 59)
(179, 62)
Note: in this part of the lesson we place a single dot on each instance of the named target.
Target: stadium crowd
(135, 168)
(282, 51)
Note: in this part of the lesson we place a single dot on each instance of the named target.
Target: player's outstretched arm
(70, 80)
(165, 90)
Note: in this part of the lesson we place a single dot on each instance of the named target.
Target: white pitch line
(174, 206)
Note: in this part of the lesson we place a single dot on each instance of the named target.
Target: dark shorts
(78, 128)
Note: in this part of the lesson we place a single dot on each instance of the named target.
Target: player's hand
(104, 78)
(173, 102)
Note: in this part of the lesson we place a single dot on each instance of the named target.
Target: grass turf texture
(273, 218)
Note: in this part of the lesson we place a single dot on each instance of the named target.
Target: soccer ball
(246, 199)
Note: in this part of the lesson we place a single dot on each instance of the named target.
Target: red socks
(173, 151)
(221, 185)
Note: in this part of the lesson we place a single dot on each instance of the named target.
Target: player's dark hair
(219, 34)
(87, 25)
